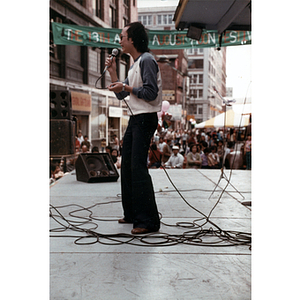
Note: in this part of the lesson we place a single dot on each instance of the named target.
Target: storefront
(108, 118)
(81, 110)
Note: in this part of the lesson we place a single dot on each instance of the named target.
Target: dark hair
(137, 32)
(204, 144)
(114, 149)
(95, 149)
(193, 145)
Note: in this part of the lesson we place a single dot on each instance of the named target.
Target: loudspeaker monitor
(62, 137)
(95, 167)
(60, 104)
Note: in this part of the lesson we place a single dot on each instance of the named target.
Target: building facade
(172, 63)
(206, 69)
(96, 111)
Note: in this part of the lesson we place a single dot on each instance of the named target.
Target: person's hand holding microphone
(111, 67)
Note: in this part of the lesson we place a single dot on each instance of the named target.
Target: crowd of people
(205, 149)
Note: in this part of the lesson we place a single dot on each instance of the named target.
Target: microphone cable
(114, 53)
(192, 237)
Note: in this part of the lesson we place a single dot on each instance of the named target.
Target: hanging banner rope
(67, 34)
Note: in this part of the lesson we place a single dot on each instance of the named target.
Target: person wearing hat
(176, 159)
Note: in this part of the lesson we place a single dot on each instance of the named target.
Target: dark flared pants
(138, 198)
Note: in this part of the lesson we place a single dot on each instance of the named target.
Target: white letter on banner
(233, 36)
(173, 44)
(95, 37)
(68, 33)
(155, 39)
(249, 35)
(117, 38)
(212, 38)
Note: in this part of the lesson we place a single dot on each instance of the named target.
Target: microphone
(114, 53)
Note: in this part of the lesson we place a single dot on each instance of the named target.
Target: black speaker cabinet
(95, 167)
(60, 104)
(62, 137)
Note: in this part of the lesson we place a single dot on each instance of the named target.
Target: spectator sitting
(204, 158)
(95, 149)
(86, 142)
(193, 158)
(84, 149)
(203, 145)
(192, 140)
(213, 158)
(56, 172)
(108, 149)
(176, 159)
(154, 157)
(116, 158)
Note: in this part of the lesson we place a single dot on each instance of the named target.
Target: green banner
(66, 34)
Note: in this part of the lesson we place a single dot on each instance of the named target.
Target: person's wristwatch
(123, 89)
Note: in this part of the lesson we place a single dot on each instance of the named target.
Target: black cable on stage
(223, 238)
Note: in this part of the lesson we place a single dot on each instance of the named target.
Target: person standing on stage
(144, 87)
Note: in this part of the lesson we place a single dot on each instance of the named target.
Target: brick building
(75, 69)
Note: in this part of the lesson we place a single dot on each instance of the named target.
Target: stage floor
(174, 264)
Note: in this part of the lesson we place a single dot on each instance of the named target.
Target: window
(94, 60)
(194, 93)
(190, 51)
(126, 16)
(145, 20)
(193, 79)
(113, 14)
(199, 109)
(99, 9)
(200, 78)
(159, 22)
(195, 63)
(165, 19)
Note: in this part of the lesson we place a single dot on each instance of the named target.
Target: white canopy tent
(232, 118)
